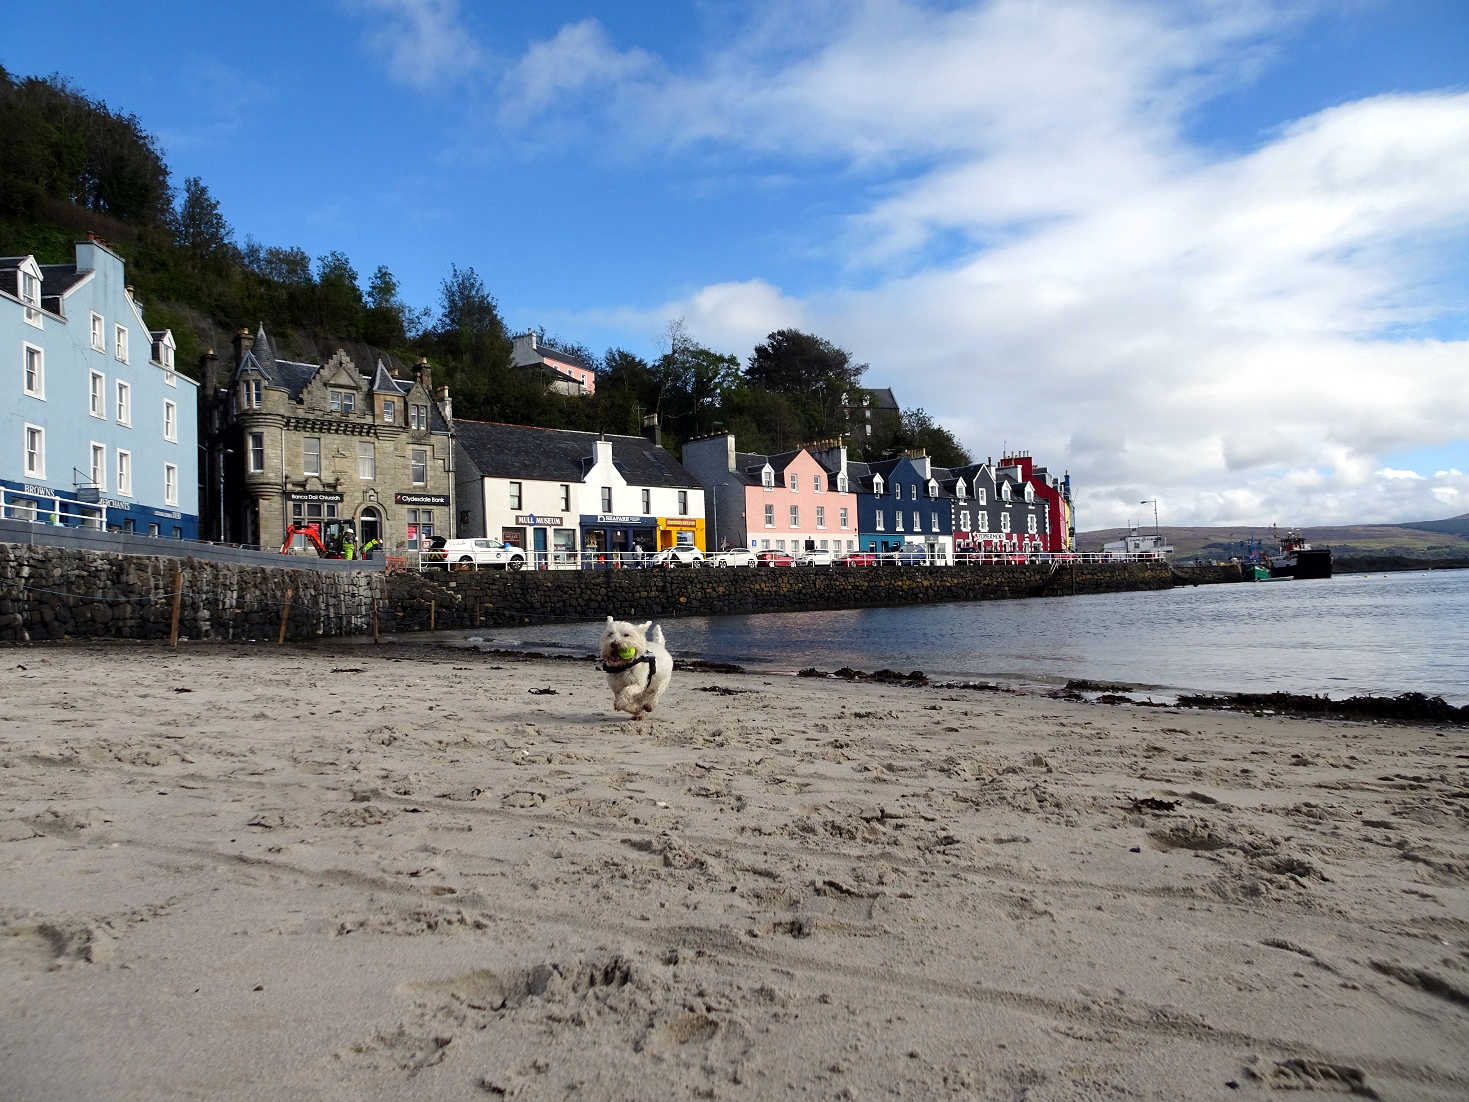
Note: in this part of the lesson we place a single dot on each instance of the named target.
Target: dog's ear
(657, 634)
(609, 622)
(644, 626)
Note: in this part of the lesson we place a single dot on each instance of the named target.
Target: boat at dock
(1298, 559)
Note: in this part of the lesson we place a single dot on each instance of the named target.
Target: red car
(858, 558)
(775, 558)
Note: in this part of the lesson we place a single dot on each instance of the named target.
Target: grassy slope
(1430, 539)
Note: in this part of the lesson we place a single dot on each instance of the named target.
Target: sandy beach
(358, 872)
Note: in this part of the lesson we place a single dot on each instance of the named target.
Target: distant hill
(1434, 539)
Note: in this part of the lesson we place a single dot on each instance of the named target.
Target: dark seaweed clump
(1410, 706)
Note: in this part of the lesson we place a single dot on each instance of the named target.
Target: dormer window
(342, 401)
(841, 483)
(877, 485)
(767, 478)
(250, 393)
(959, 490)
(1005, 492)
(390, 411)
(933, 488)
(1029, 493)
(30, 294)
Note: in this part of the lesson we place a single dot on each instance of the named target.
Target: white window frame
(97, 471)
(390, 410)
(418, 466)
(795, 516)
(1004, 522)
(97, 394)
(340, 400)
(418, 416)
(770, 516)
(38, 468)
(99, 332)
(123, 398)
(933, 522)
(897, 520)
(984, 522)
(124, 472)
(917, 521)
(983, 496)
(816, 484)
(878, 523)
(1030, 524)
(821, 516)
(39, 390)
(306, 455)
(843, 516)
(170, 484)
(30, 294)
(170, 421)
(794, 481)
(250, 393)
(647, 498)
(566, 497)
(252, 464)
(877, 485)
(366, 461)
(120, 343)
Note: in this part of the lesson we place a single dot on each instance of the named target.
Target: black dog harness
(623, 667)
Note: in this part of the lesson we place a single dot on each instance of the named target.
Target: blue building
(100, 429)
(899, 501)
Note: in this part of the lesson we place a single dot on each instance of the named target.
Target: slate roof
(56, 280)
(563, 455)
(882, 398)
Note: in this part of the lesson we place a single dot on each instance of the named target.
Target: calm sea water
(1356, 633)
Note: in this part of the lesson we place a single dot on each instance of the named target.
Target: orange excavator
(335, 541)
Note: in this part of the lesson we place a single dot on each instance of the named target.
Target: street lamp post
(1154, 503)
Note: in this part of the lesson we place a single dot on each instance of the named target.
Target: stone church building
(287, 443)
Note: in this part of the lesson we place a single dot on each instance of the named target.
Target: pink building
(785, 502)
(565, 372)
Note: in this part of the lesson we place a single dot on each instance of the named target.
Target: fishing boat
(1298, 559)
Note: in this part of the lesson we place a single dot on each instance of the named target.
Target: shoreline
(429, 872)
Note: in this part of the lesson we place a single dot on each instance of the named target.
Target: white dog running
(637, 663)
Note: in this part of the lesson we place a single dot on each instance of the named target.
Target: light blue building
(96, 425)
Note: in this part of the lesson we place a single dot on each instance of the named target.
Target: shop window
(420, 523)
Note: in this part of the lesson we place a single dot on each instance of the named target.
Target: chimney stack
(446, 404)
(652, 430)
(243, 343)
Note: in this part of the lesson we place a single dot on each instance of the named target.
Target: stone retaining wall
(497, 598)
(56, 593)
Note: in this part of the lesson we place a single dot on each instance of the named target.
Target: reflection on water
(1355, 633)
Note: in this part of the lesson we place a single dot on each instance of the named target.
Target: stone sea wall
(55, 593)
(502, 599)
(49, 593)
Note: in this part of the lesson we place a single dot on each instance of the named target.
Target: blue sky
(1209, 251)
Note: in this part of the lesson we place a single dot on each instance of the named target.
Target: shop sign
(618, 518)
(114, 503)
(534, 521)
(688, 523)
(39, 491)
(420, 499)
(168, 514)
(312, 495)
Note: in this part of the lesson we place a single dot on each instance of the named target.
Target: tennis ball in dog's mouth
(627, 653)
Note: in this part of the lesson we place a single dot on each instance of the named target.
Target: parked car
(815, 556)
(684, 554)
(471, 554)
(775, 558)
(735, 556)
(910, 554)
(858, 558)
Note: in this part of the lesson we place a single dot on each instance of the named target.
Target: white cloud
(424, 42)
(579, 58)
(1219, 329)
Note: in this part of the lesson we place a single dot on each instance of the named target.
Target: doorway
(370, 527)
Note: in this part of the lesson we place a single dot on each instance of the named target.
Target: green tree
(390, 322)
(920, 432)
(200, 227)
(819, 378)
(340, 307)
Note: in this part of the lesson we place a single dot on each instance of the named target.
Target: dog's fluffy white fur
(636, 684)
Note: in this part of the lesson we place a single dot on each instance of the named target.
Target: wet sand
(385, 873)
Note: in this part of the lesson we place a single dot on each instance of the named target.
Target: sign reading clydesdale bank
(421, 499)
